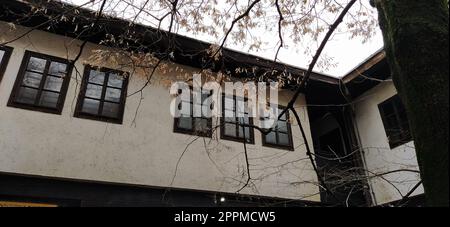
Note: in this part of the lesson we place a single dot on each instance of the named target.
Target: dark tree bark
(416, 43)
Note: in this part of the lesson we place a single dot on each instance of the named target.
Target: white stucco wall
(379, 158)
(145, 153)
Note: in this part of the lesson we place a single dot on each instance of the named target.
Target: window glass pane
(271, 138)
(240, 107)
(394, 138)
(36, 64)
(229, 114)
(53, 83)
(96, 77)
(26, 95)
(113, 94)
(90, 106)
(387, 108)
(397, 102)
(283, 139)
(229, 103)
(247, 132)
(205, 96)
(197, 111)
(193, 115)
(186, 115)
(185, 109)
(201, 125)
(240, 132)
(405, 127)
(395, 121)
(94, 91)
(244, 120)
(32, 79)
(185, 123)
(115, 80)
(110, 110)
(391, 123)
(49, 99)
(282, 126)
(230, 129)
(39, 83)
(57, 69)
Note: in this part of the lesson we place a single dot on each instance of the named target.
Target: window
(235, 115)
(281, 135)
(5, 53)
(42, 83)
(102, 95)
(187, 123)
(395, 121)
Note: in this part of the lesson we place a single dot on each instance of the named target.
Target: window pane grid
(187, 123)
(202, 128)
(102, 99)
(280, 136)
(36, 88)
(233, 126)
(395, 121)
(99, 100)
(38, 101)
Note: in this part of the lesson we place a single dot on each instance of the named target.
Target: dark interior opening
(337, 156)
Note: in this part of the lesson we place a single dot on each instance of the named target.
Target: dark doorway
(337, 167)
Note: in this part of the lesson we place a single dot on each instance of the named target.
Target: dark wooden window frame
(222, 123)
(18, 83)
(82, 94)
(193, 132)
(289, 147)
(406, 138)
(5, 59)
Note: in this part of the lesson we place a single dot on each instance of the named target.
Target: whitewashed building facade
(74, 136)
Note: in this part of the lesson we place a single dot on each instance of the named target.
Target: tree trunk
(416, 43)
